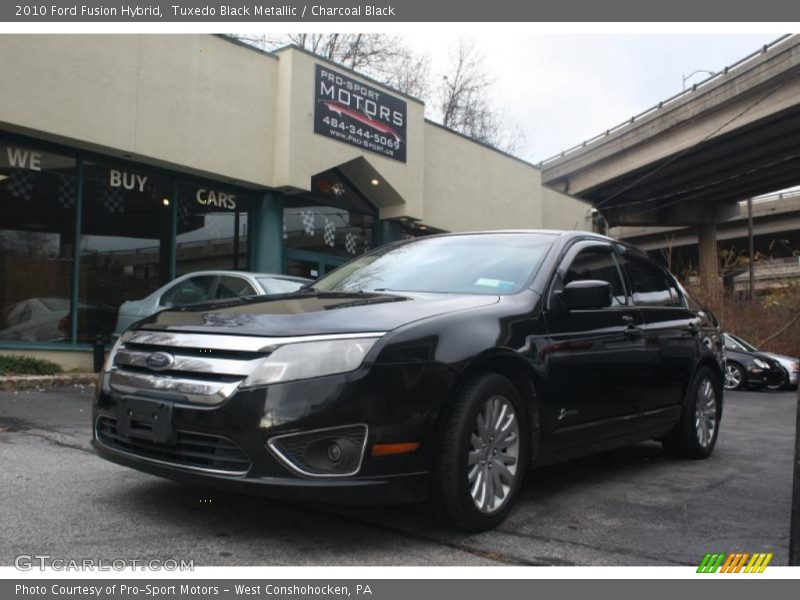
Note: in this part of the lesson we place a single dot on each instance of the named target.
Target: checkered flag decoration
(308, 222)
(113, 201)
(20, 184)
(66, 191)
(329, 235)
(350, 242)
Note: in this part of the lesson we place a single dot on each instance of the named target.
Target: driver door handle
(631, 328)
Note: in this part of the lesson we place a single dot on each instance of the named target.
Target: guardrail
(724, 72)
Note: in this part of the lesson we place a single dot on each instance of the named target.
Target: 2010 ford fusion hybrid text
(440, 368)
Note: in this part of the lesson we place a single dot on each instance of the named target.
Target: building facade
(126, 160)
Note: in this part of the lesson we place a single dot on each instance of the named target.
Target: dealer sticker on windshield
(495, 283)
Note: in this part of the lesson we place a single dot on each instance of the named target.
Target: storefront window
(212, 228)
(318, 237)
(126, 236)
(37, 204)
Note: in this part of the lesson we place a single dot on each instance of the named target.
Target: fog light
(334, 452)
(330, 452)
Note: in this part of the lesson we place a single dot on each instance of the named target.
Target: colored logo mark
(740, 562)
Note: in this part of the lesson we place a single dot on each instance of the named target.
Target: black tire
(687, 440)
(451, 491)
(742, 377)
(783, 385)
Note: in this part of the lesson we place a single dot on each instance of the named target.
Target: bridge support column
(708, 257)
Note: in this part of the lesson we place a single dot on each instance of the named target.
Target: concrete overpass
(691, 159)
(776, 235)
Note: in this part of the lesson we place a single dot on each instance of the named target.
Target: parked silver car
(202, 286)
(790, 364)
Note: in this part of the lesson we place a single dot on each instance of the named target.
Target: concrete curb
(24, 382)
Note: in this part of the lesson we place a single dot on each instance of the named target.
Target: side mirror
(586, 294)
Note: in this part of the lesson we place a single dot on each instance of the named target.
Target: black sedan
(440, 368)
(747, 368)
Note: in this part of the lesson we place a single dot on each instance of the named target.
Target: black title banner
(377, 11)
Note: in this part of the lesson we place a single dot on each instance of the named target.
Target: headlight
(305, 360)
(760, 363)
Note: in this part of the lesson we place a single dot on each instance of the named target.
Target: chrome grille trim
(240, 343)
(195, 391)
(191, 364)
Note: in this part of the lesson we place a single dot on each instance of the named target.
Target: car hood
(312, 314)
(784, 360)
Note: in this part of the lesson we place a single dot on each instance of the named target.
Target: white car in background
(202, 286)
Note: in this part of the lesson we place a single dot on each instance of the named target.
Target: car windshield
(490, 264)
(746, 345)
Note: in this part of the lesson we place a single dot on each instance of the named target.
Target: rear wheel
(734, 376)
(696, 434)
(483, 454)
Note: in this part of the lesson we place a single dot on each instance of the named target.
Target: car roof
(560, 233)
(244, 273)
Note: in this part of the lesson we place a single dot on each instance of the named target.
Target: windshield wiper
(304, 291)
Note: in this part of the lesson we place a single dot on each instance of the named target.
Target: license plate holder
(145, 419)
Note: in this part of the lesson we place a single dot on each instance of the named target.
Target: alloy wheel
(493, 455)
(733, 377)
(705, 422)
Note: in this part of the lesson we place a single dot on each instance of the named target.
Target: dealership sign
(360, 115)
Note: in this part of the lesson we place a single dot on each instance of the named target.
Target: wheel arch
(520, 373)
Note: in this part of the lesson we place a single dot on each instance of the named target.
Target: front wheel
(696, 434)
(483, 454)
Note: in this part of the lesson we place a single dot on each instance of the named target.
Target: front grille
(192, 368)
(196, 450)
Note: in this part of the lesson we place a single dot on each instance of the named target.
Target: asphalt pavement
(634, 506)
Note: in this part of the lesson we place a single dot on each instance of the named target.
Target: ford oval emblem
(159, 361)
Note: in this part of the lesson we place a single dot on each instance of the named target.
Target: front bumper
(757, 377)
(401, 488)
(379, 397)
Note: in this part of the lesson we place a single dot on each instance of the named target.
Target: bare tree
(461, 96)
(463, 101)
(385, 58)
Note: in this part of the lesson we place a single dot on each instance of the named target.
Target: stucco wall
(560, 211)
(204, 105)
(196, 101)
(469, 187)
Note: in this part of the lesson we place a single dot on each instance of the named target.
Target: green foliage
(26, 365)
